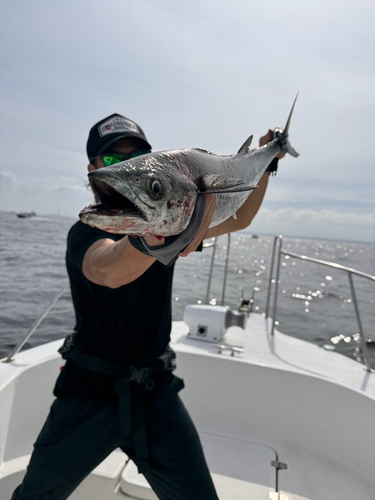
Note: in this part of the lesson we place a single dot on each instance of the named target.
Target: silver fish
(156, 193)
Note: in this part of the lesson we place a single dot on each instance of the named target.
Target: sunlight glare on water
(312, 304)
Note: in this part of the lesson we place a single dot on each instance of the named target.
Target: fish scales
(238, 167)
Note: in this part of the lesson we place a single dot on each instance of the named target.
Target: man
(117, 389)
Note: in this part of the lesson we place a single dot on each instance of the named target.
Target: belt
(141, 379)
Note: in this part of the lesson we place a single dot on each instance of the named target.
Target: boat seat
(100, 484)
(136, 485)
(11, 474)
(103, 480)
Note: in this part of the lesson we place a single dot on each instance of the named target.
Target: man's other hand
(265, 139)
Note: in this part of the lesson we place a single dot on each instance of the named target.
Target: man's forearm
(250, 208)
(244, 214)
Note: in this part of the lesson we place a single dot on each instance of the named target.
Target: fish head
(148, 194)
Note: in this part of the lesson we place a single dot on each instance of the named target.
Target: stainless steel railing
(214, 245)
(278, 243)
(19, 346)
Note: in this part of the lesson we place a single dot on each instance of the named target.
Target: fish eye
(155, 186)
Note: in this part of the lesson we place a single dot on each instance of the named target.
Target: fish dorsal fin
(217, 184)
(244, 149)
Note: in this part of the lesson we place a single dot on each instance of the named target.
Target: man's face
(125, 145)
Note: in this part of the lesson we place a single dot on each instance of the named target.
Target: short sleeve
(80, 238)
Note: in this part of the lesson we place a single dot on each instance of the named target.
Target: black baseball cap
(109, 130)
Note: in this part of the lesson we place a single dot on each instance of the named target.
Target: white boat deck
(280, 351)
(312, 407)
(281, 400)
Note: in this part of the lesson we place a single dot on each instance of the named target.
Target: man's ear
(91, 167)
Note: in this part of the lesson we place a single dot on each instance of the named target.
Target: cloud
(7, 180)
(328, 224)
(44, 195)
(194, 74)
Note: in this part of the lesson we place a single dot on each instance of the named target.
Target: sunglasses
(113, 158)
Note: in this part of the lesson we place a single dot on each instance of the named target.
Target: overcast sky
(203, 74)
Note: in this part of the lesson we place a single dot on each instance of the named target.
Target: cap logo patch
(117, 124)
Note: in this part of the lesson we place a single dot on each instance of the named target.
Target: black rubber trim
(174, 245)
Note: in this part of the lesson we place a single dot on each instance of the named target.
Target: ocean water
(314, 302)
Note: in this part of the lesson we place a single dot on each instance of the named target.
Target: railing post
(211, 269)
(10, 358)
(363, 340)
(271, 273)
(225, 271)
(276, 284)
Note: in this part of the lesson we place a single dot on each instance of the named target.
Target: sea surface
(314, 302)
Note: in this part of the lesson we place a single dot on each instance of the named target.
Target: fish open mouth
(112, 202)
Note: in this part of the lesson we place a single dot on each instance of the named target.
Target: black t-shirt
(129, 325)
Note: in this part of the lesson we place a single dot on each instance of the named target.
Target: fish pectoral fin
(229, 191)
(217, 184)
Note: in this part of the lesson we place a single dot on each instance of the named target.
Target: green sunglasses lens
(113, 159)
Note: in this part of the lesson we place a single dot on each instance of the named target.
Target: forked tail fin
(284, 135)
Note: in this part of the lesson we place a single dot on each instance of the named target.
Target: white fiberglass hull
(281, 402)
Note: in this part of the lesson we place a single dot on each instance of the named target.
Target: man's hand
(211, 203)
(265, 139)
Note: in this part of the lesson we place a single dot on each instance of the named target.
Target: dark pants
(80, 433)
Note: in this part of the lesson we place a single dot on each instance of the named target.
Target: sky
(202, 74)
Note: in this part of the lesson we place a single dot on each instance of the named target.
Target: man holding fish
(117, 389)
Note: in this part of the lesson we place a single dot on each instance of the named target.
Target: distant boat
(254, 236)
(25, 215)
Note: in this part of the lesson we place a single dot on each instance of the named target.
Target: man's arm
(113, 264)
(246, 213)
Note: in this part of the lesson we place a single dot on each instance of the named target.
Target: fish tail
(283, 135)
